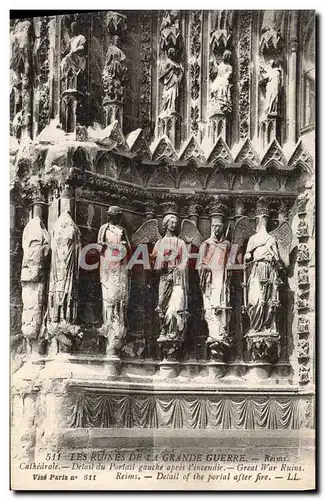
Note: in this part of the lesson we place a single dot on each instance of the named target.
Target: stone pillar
(67, 200)
(194, 212)
(292, 90)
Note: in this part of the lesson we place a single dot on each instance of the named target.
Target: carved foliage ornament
(245, 24)
(195, 68)
(146, 55)
(303, 324)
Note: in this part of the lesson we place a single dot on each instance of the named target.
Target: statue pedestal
(113, 110)
(264, 352)
(216, 369)
(170, 351)
(168, 369)
(167, 125)
(259, 371)
(217, 127)
(112, 365)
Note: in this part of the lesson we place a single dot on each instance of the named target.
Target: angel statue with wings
(170, 259)
(266, 256)
(214, 253)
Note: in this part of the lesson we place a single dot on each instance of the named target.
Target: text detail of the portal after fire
(167, 469)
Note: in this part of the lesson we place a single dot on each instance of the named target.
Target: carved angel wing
(243, 230)
(147, 233)
(190, 233)
(283, 237)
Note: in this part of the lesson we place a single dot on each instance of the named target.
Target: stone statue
(36, 248)
(302, 229)
(262, 293)
(115, 71)
(63, 289)
(271, 75)
(173, 284)
(75, 60)
(170, 260)
(265, 260)
(220, 89)
(213, 280)
(114, 279)
(171, 75)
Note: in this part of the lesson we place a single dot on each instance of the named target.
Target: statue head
(226, 57)
(116, 40)
(170, 223)
(74, 29)
(171, 53)
(261, 221)
(114, 214)
(217, 227)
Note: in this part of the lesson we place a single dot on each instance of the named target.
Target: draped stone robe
(63, 289)
(262, 283)
(214, 255)
(115, 283)
(36, 248)
(173, 286)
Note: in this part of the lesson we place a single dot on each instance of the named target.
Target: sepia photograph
(162, 250)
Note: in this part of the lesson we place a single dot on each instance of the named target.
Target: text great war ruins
(185, 132)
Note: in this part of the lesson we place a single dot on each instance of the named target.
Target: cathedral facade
(191, 131)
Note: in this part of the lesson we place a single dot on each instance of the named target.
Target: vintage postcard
(163, 250)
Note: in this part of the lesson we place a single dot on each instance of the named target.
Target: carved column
(171, 72)
(146, 62)
(245, 37)
(220, 104)
(305, 273)
(195, 71)
(115, 70)
(67, 199)
(41, 101)
(194, 212)
(292, 77)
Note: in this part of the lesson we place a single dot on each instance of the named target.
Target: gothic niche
(171, 73)
(73, 75)
(221, 74)
(20, 88)
(115, 70)
(270, 77)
